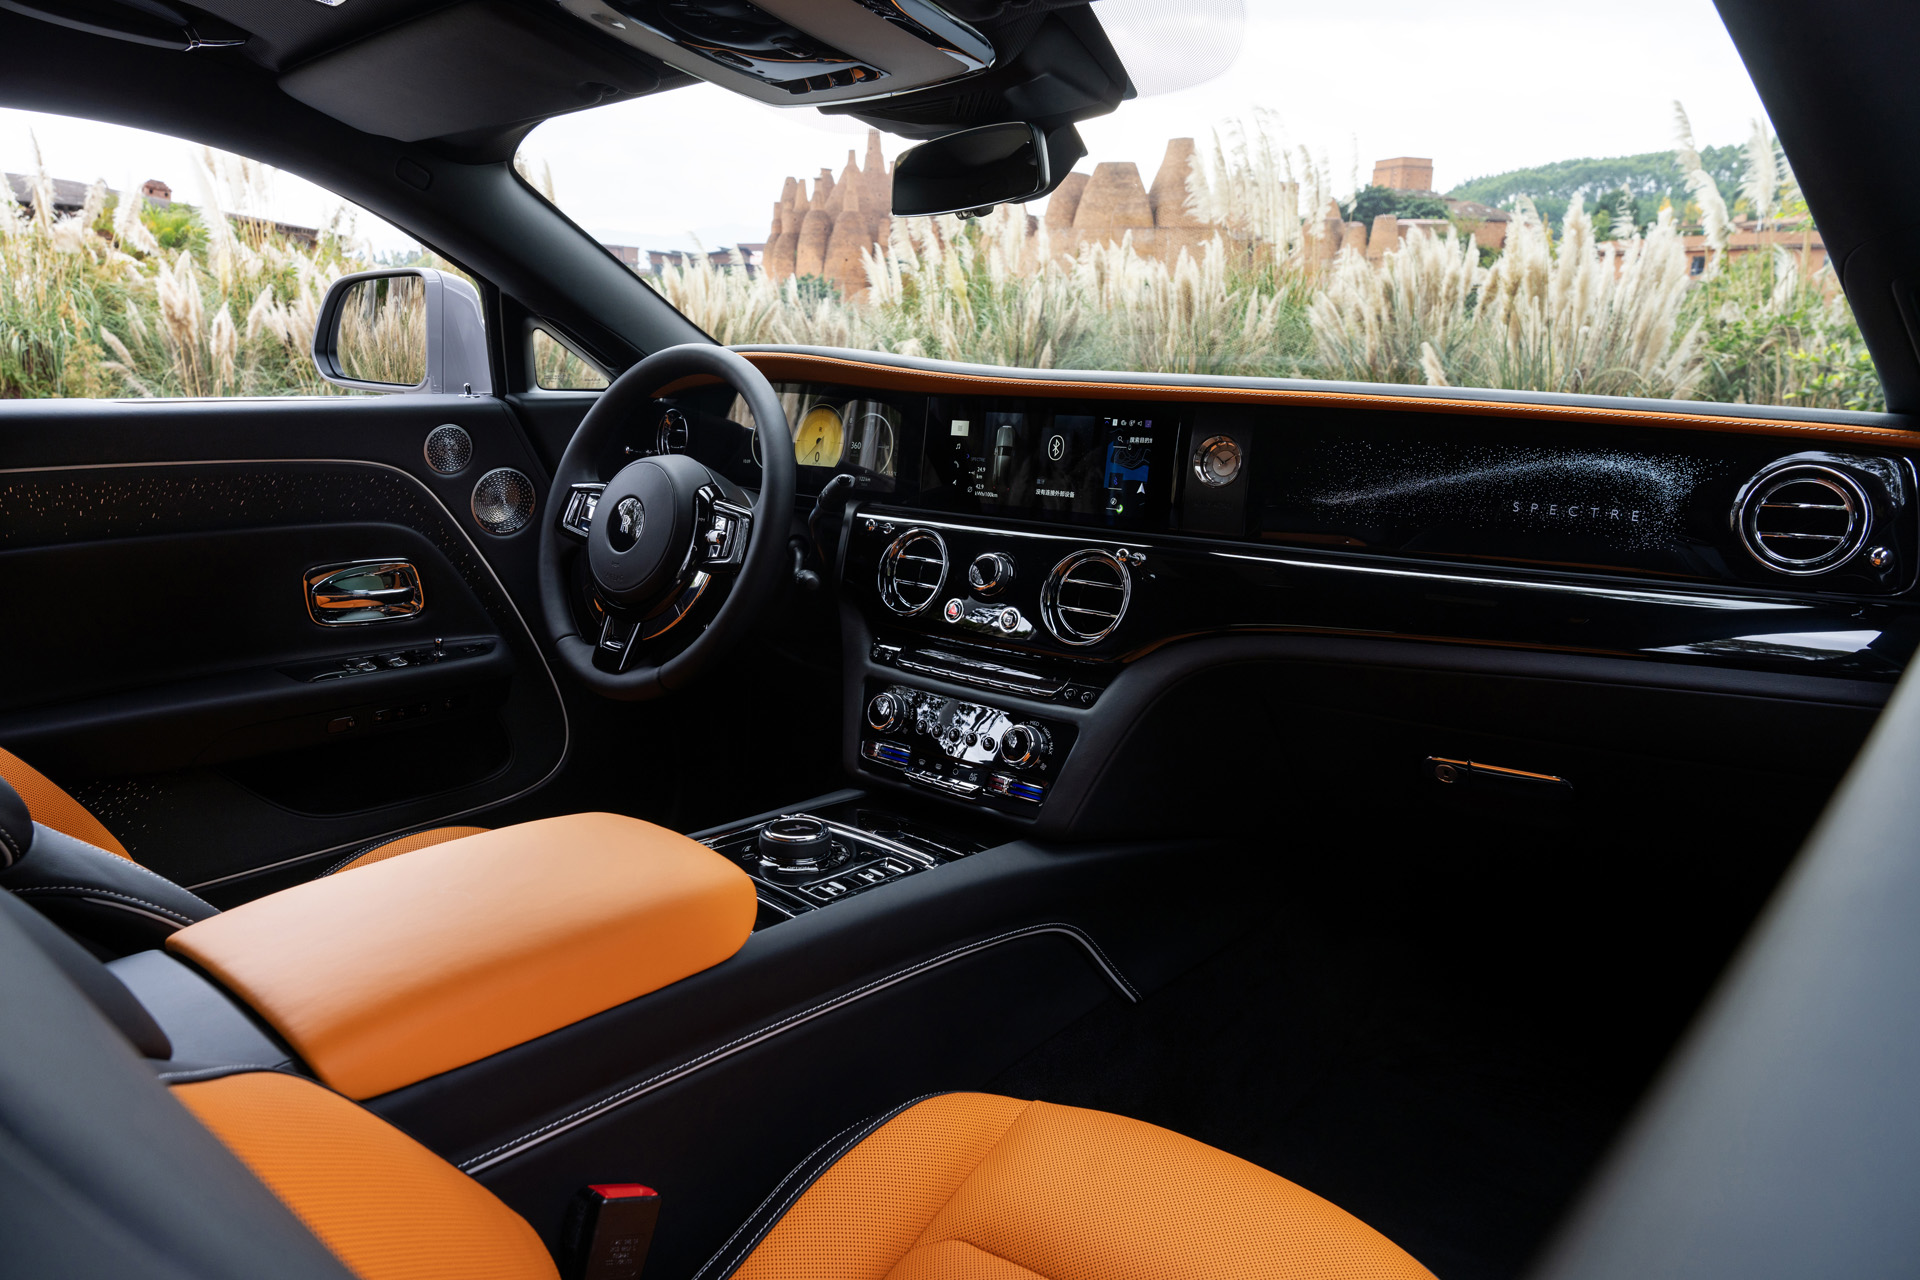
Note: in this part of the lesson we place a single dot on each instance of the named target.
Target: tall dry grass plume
(122, 298)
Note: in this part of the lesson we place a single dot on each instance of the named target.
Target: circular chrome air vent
(1085, 596)
(673, 433)
(503, 501)
(912, 571)
(448, 449)
(1803, 518)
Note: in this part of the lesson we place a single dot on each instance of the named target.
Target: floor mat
(1442, 1042)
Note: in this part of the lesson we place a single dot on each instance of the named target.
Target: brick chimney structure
(1404, 173)
(824, 234)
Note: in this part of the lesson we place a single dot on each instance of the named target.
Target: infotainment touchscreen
(1083, 468)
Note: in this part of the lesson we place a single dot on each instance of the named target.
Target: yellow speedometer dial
(820, 438)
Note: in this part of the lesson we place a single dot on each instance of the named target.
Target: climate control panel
(965, 750)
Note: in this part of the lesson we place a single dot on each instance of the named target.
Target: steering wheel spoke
(624, 636)
(576, 516)
(725, 528)
(620, 640)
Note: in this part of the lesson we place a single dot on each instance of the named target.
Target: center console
(967, 750)
(822, 853)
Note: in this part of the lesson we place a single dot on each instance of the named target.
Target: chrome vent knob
(885, 712)
(1804, 518)
(1024, 745)
(1086, 596)
(912, 571)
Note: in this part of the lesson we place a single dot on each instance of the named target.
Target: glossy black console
(819, 854)
(962, 750)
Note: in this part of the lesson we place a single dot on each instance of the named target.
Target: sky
(1480, 86)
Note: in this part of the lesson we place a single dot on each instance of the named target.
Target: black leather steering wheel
(663, 533)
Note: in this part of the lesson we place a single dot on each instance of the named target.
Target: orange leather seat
(51, 806)
(954, 1187)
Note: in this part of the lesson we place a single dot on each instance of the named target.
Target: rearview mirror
(407, 330)
(971, 171)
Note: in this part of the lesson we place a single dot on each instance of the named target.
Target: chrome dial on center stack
(798, 848)
(990, 573)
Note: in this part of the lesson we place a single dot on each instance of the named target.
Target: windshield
(1557, 199)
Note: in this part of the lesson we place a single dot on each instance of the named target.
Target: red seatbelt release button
(609, 1229)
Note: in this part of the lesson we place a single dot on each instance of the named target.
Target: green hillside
(1646, 179)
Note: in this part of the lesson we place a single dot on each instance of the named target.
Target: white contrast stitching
(90, 891)
(231, 1069)
(155, 875)
(506, 1150)
(866, 1127)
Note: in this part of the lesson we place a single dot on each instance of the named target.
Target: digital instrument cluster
(836, 431)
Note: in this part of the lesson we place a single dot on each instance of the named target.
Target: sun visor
(486, 64)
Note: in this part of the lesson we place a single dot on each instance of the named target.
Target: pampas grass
(93, 305)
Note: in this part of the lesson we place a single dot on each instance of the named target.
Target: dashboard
(1015, 542)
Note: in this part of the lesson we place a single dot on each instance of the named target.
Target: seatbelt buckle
(609, 1229)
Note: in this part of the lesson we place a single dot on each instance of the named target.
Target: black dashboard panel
(1047, 540)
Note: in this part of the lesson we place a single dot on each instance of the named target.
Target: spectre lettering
(1573, 509)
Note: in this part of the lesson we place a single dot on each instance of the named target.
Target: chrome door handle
(363, 591)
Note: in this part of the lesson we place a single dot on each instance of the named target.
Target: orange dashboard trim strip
(796, 366)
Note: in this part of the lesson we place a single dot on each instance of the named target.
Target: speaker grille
(449, 449)
(912, 571)
(503, 501)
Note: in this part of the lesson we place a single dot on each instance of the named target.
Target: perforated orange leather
(416, 965)
(973, 1187)
(52, 807)
(407, 844)
(388, 1208)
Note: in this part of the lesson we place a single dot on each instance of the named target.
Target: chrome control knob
(796, 847)
(884, 712)
(990, 573)
(1024, 745)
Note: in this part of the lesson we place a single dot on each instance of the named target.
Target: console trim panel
(546, 1133)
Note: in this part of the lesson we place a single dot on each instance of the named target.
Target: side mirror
(971, 171)
(407, 330)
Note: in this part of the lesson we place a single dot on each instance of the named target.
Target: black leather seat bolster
(110, 901)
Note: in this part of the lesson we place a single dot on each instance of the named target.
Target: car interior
(1078, 824)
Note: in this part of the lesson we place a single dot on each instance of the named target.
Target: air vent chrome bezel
(887, 579)
(1051, 608)
(1852, 498)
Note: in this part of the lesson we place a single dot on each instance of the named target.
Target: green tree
(175, 226)
(1371, 202)
(1616, 183)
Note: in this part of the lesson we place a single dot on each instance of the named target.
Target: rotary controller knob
(884, 712)
(990, 573)
(1024, 745)
(796, 847)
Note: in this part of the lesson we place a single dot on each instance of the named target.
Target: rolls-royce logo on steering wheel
(629, 517)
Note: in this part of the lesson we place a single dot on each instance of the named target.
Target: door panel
(163, 661)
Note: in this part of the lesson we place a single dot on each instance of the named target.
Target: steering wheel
(662, 534)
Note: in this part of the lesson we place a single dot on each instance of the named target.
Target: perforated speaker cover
(503, 501)
(449, 449)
